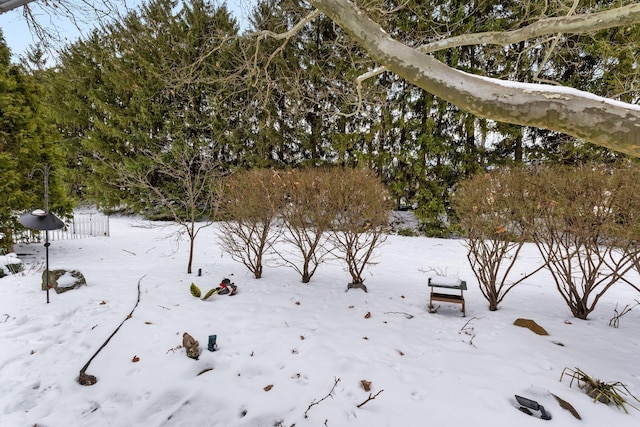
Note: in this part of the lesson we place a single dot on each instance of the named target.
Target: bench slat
(447, 283)
(446, 297)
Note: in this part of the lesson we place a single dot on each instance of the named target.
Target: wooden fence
(82, 225)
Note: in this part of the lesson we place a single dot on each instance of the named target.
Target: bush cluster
(585, 222)
(301, 217)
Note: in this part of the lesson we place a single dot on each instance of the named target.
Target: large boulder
(62, 280)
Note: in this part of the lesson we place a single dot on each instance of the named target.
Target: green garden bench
(450, 285)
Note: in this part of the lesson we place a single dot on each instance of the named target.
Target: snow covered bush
(10, 264)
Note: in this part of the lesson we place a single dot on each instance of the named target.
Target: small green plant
(407, 232)
(15, 268)
(10, 269)
(208, 294)
(11, 264)
(605, 392)
(195, 291)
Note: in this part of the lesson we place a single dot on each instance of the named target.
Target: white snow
(297, 341)
(445, 281)
(556, 91)
(66, 280)
(8, 259)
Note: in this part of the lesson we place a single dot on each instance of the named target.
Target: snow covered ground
(294, 354)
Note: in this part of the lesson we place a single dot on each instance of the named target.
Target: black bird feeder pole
(43, 220)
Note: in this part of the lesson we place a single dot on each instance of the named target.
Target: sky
(19, 37)
(297, 354)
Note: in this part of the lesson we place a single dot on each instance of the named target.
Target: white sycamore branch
(599, 120)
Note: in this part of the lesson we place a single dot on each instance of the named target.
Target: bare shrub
(587, 227)
(307, 218)
(361, 205)
(251, 202)
(179, 182)
(486, 208)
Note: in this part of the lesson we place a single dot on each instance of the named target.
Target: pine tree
(25, 146)
(146, 98)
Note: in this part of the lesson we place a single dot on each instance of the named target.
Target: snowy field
(294, 354)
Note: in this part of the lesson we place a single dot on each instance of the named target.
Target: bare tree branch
(371, 397)
(574, 24)
(330, 394)
(288, 34)
(82, 14)
(602, 121)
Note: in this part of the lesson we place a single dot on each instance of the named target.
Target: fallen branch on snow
(315, 402)
(371, 397)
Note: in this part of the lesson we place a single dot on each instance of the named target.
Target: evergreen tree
(146, 97)
(298, 115)
(25, 146)
(142, 86)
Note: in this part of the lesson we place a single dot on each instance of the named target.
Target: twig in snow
(173, 350)
(469, 331)
(129, 252)
(315, 402)
(468, 321)
(615, 320)
(371, 397)
(203, 371)
(407, 315)
(437, 271)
